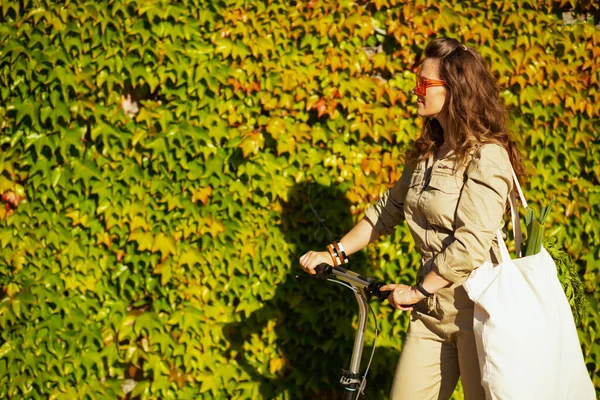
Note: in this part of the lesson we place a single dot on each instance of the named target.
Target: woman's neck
(442, 122)
(442, 151)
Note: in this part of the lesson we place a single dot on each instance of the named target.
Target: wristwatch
(421, 289)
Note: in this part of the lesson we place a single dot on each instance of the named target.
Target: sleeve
(479, 213)
(388, 211)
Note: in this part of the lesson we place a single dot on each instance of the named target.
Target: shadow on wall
(312, 319)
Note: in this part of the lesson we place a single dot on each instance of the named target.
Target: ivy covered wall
(164, 165)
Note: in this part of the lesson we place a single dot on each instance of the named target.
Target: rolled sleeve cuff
(449, 274)
(373, 216)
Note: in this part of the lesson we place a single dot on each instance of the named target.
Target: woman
(452, 194)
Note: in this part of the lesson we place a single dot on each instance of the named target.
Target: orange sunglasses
(424, 83)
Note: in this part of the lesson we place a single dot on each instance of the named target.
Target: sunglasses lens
(419, 87)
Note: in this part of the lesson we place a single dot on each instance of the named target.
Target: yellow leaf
(138, 222)
(276, 365)
(77, 219)
(335, 63)
(191, 258)
(369, 166)
(286, 144)
(276, 126)
(209, 225)
(143, 239)
(201, 194)
(105, 239)
(70, 282)
(6, 184)
(379, 60)
(252, 143)
(207, 383)
(12, 289)
(248, 249)
(223, 46)
(138, 135)
(165, 271)
(89, 282)
(166, 245)
(173, 202)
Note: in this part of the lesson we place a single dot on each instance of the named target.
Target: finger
(303, 259)
(308, 258)
(390, 286)
(391, 300)
(397, 301)
(311, 264)
(314, 262)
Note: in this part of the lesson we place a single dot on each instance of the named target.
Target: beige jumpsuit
(452, 216)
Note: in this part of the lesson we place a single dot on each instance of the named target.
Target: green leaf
(5, 349)
(141, 389)
(56, 173)
(25, 110)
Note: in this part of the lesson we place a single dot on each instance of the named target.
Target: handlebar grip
(373, 290)
(323, 271)
(383, 294)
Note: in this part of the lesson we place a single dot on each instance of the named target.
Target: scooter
(364, 288)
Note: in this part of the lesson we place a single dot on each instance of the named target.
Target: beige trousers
(439, 348)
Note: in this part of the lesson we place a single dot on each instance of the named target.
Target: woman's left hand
(403, 297)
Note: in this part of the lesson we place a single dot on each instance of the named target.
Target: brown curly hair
(473, 109)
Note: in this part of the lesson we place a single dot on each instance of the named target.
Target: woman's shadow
(312, 318)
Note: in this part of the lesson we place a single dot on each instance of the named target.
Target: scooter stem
(359, 340)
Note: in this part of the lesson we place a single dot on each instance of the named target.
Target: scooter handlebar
(372, 287)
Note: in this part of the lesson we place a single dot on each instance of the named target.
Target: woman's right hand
(311, 259)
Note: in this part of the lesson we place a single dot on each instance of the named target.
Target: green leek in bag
(535, 229)
(565, 266)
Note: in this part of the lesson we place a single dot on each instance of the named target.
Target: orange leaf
(321, 107)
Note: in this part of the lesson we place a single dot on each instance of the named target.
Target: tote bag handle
(516, 226)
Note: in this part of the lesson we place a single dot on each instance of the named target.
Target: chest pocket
(445, 181)
(417, 179)
(442, 194)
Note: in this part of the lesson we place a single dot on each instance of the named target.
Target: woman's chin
(422, 112)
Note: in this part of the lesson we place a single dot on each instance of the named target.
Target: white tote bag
(526, 337)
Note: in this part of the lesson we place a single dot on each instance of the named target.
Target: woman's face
(432, 102)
